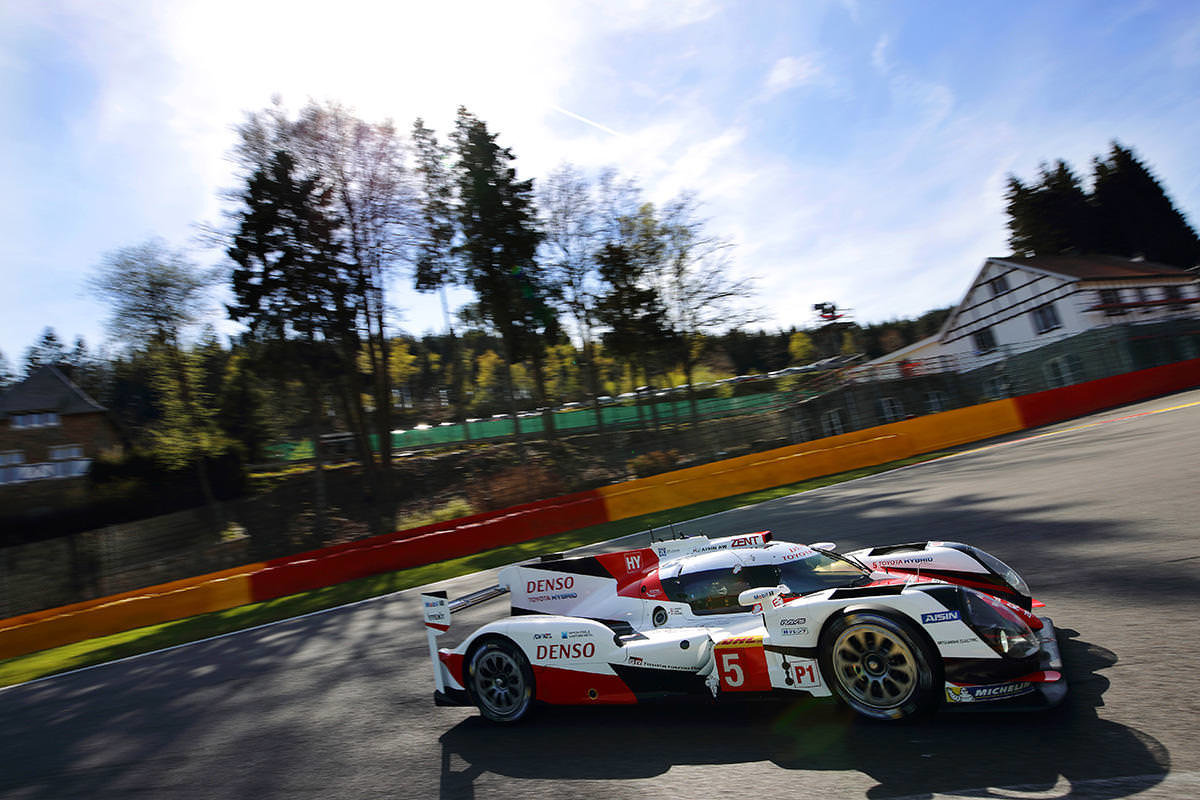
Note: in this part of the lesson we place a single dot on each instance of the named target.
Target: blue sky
(855, 151)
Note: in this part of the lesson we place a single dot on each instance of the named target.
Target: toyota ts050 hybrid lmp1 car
(894, 632)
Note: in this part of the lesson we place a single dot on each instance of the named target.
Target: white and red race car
(894, 632)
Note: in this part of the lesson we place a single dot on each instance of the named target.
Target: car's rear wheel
(880, 666)
(500, 680)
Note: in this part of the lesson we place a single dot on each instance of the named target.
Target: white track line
(1170, 785)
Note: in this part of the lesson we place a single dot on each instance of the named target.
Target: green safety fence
(617, 416)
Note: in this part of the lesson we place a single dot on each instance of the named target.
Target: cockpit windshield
(715, 590)
(816, 571)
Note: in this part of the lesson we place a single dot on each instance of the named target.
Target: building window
(1187, 347)
(985, 340)
(998, 285)
(64, 452)
(9, 466)
(831, 422)
(1174, 293)
(890, 409)
(70, 469)
(1111, 300)
(1063, 371)
(1045, 318)
(996, 387)
(46, 420)
(936, 401)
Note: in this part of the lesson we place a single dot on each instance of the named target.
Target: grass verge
(168, 634)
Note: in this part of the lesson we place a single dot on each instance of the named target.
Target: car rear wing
(438, 609)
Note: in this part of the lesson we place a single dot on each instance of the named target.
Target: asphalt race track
(1099, 518)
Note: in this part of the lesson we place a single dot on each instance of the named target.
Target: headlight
(999, 625)
(1006, 572)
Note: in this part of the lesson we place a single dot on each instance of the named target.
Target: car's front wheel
(880, 666)
(500, 680)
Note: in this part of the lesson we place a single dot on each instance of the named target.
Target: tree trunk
(206, 490)
(689, 367)
(362, 445)
(383, 393)
(457, 384)
(320, 497)
(512, 400)
(589, 357)
(383, 429)
(637, 397)
(456, 370)
(653, 402)
(356, 418)
(185, 394)
(539, 386)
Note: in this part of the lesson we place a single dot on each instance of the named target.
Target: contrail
(587, 121)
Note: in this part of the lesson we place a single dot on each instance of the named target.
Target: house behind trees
(50, 432)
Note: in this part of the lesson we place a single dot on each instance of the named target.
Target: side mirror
(823, 546)
(764, 595)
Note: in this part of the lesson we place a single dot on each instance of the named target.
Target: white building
(1020, 303)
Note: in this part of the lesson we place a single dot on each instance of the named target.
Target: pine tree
(1127, 213)
(47, 351)
(436, 268)
(6, 373)
(89, 372)
(500, 239)
(631, 310)
(362, 165)
(1052, 216)
(293, 290)
(1135, 216)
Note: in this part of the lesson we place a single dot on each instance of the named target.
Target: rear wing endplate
(438, 608)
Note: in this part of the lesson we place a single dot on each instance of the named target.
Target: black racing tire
(881, 666)
(499, 680)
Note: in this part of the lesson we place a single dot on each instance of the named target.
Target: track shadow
(948, 753)
(169, 723)
(280, 712)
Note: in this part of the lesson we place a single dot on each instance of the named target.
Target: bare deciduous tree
(156, 295)
(697, 286)
(571, 224)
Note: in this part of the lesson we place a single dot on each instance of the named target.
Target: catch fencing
(1052, 381)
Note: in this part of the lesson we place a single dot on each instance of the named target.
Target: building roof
(1097, 268)
(47, 389)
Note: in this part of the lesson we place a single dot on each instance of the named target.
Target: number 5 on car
(742, 664)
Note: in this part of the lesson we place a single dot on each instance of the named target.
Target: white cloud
(879, 58)
(1185, 50)
(890, 219)
(656, 15)
(790, 72)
